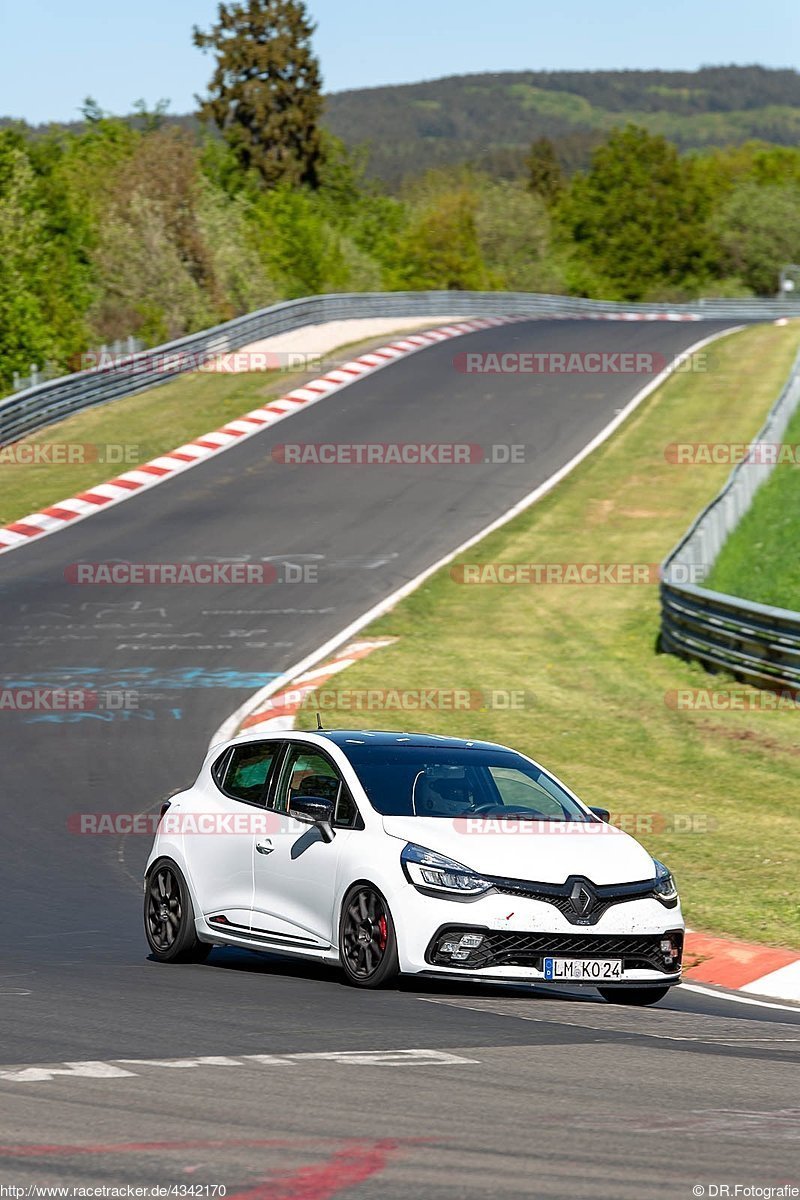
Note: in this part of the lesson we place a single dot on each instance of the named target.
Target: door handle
(265, 847)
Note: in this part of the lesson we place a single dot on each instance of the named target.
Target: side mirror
(314, 810)
(602, 813)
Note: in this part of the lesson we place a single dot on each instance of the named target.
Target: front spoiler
(532, 978)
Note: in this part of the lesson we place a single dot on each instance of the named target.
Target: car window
(444, 790)
(247, 771)
(309, 773)
(518, 790)
(347, 815)
(433, 781)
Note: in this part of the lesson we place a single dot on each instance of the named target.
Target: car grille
(561, 896)
(502, 948)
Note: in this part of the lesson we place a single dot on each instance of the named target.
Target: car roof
(393, 737)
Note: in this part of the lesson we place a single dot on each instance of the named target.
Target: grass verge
(602, 714)
(761, 559)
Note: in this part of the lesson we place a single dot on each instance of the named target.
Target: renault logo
(583, 900)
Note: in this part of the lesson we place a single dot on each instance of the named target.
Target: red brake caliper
(382, 934)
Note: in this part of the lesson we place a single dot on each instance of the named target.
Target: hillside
(492, 119)
(496, 116)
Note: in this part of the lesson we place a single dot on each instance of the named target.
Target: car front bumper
(517, 934)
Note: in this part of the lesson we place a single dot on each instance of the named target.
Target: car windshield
(422, 781)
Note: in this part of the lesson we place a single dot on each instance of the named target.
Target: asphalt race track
(270, 1077)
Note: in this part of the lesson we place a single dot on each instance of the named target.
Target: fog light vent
(459, 947)
(670, 949)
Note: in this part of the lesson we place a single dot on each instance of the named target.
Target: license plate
(583, 970)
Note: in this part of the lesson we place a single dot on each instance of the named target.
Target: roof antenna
(319, 722)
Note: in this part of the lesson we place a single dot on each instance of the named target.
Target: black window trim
(219, 766)
(311, 748)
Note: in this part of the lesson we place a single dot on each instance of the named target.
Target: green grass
(599, 716)
(761, 559)
(151, 423)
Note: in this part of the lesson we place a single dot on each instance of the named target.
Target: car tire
(169, 916)
(634, 996)
(367, 939)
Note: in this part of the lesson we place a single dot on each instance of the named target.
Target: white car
(395, 853)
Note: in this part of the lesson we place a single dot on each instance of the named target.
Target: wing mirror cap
(602, 813)
(313, 810)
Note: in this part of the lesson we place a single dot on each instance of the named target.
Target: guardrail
(754, 642)
(39, 406)
(22, 383)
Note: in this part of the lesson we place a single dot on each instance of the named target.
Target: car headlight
(666, 889)
(433, 872)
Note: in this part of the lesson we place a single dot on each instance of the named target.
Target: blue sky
(55, 52)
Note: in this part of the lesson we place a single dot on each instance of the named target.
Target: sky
(56, 52)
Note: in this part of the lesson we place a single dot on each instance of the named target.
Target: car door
(219, 833)
(295, 870)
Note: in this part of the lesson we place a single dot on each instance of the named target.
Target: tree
(759, 228)
(91, 111)
(67, 290)
(439, 248)
(145, 286)
(152, 119)
(545, 176)
(24, 335)
(513, 227)
(639, 218)
(265, 94)
(153, 265)
(299, 247)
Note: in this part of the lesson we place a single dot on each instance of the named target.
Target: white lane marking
(737, 999)
(228, 728)
(76, 1070)
(390, 1058)
(182, 1064)
(119, 1068)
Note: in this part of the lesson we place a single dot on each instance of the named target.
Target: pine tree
(265, 94)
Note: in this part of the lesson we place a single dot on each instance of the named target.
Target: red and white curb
(665, 316)
(104, 495)
(280, 710)
(139, 479)
(742, 966)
